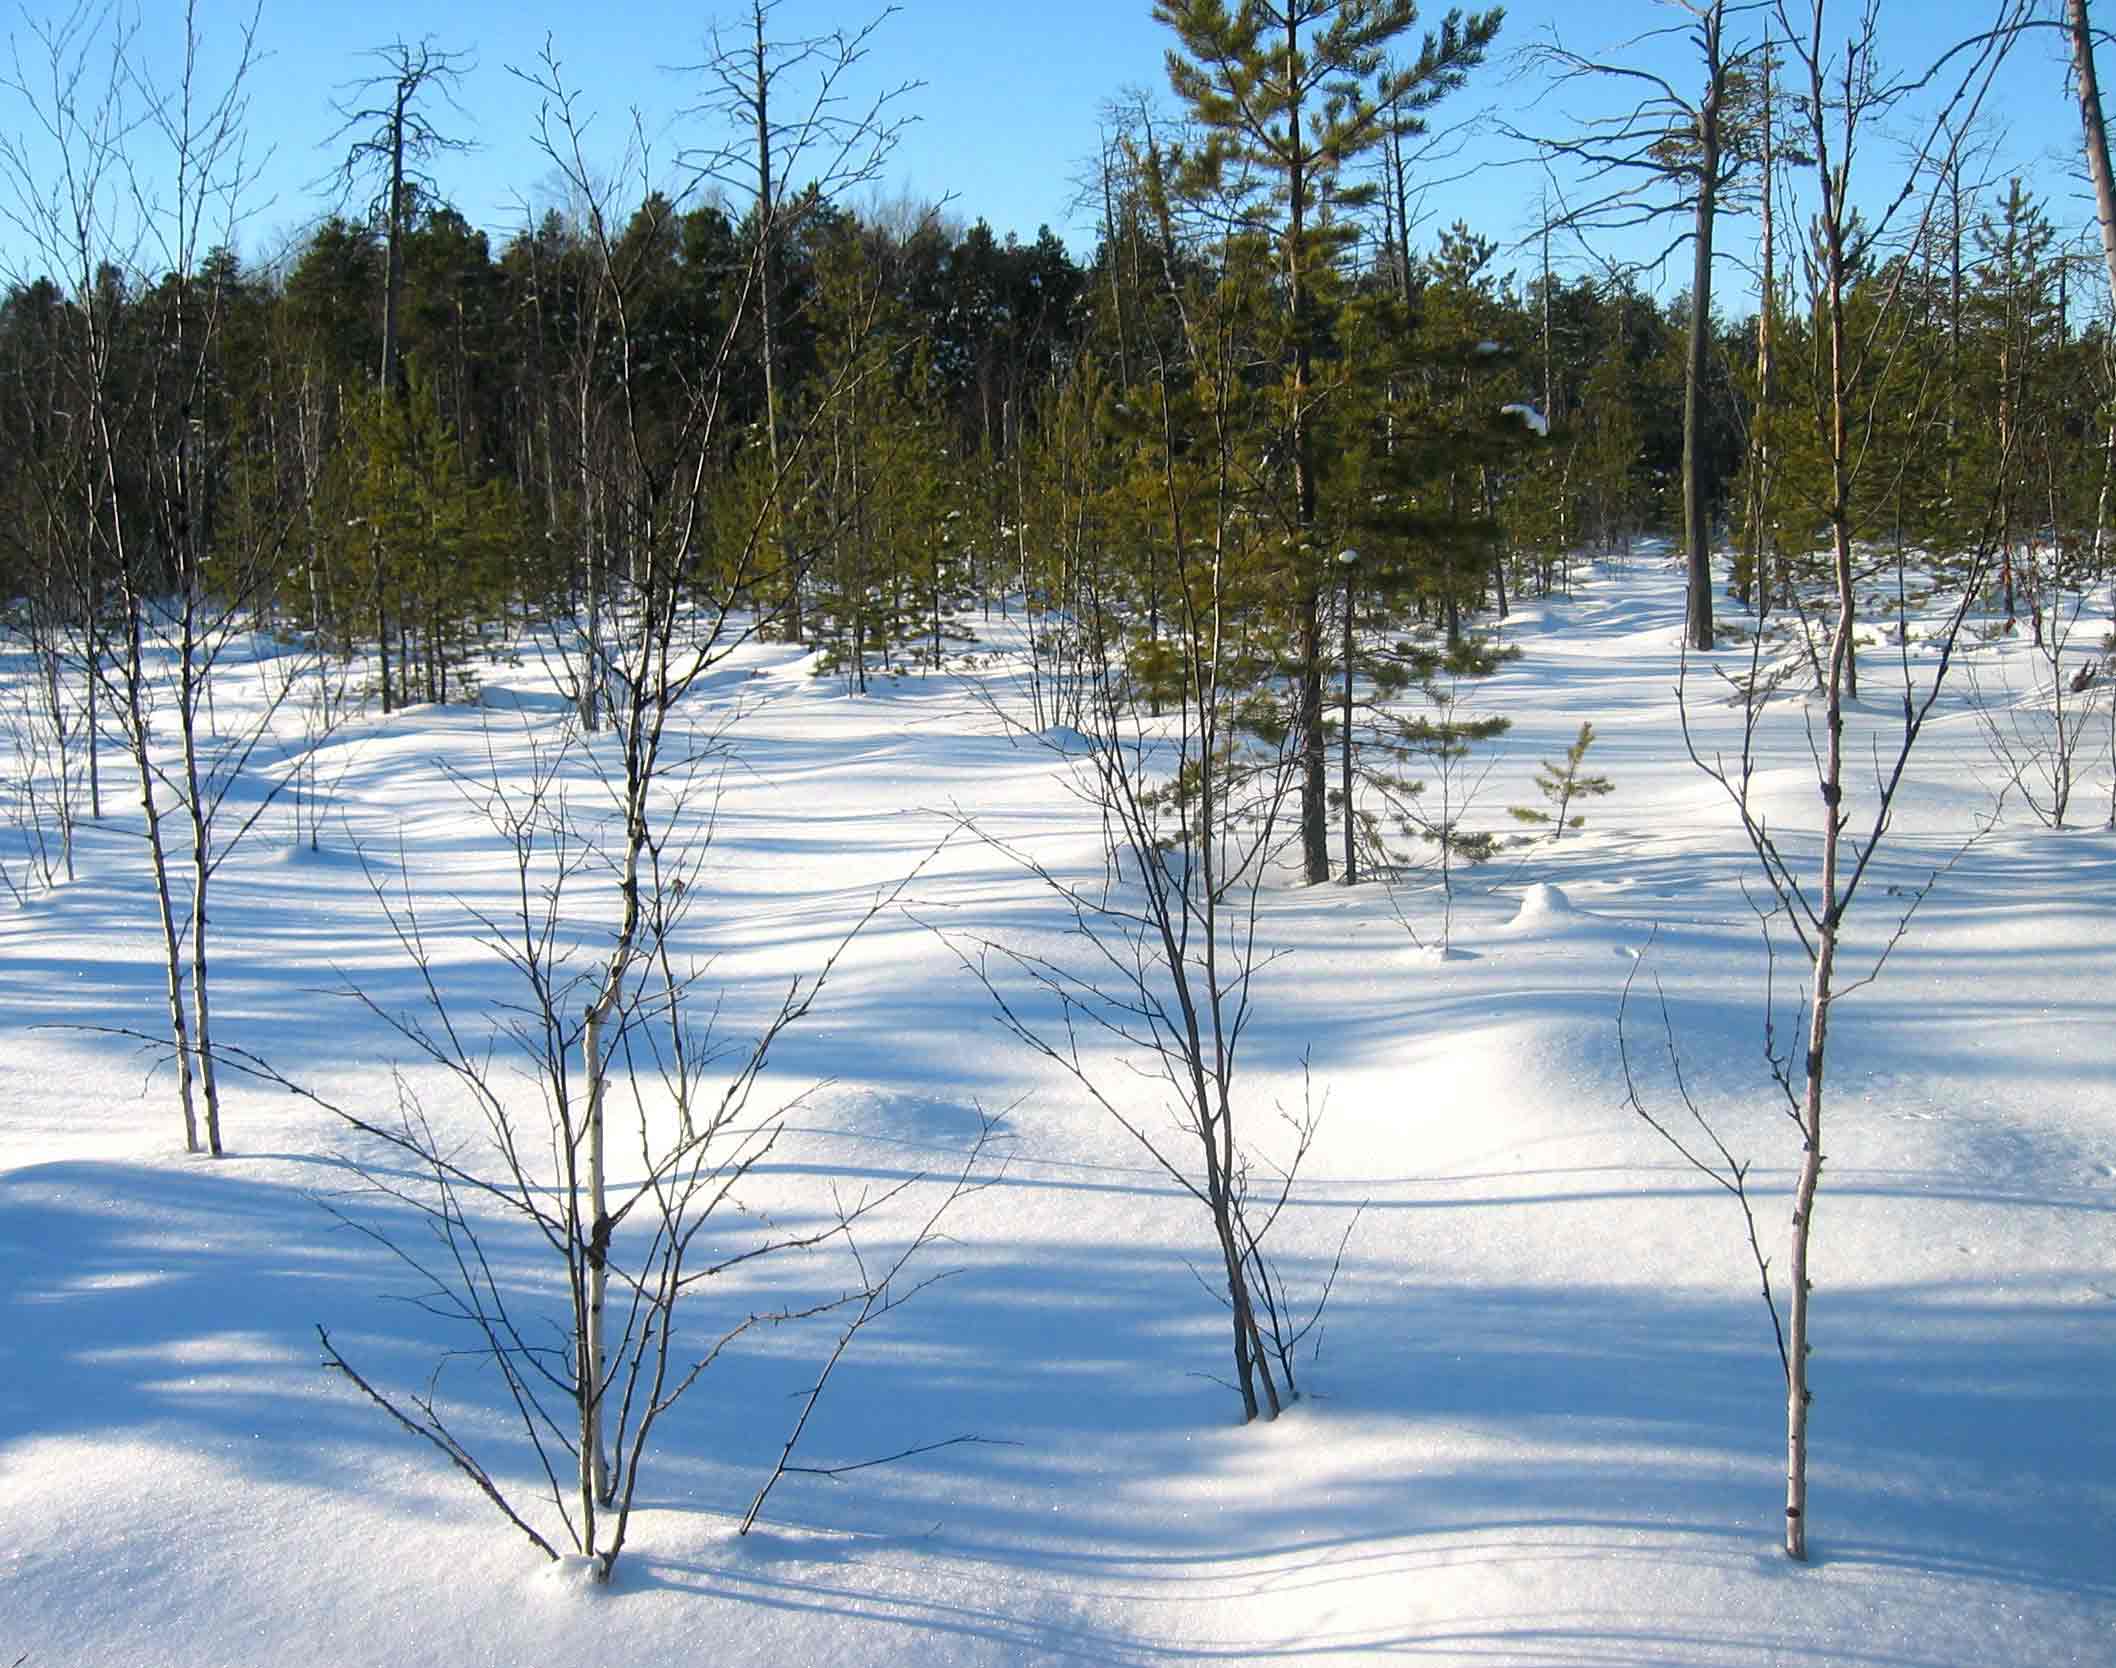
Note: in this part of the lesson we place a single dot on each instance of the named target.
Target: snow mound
(1063, 738)
(300, 854)
(1541, 905)
(572, 1573)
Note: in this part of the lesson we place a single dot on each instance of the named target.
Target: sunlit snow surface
(1544, 1421)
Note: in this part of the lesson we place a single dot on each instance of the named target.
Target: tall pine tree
(1287, 94)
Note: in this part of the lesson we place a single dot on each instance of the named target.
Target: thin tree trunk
(1550, 403)
(609, 998)
(1118, 289)
(92, 648)
(2094, 135)
(1760, 576)
(2094, 132)
(767, 301)
(592, 577)
(137, 735)
(44, 650)
(1315, 772)
(1837, 685)
(201, 869)
(1345, 742)
(393, 276)
(593, 1368)
(381, 620)
(1696, 529)
(1798, 1394)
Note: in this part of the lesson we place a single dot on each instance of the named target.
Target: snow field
(1544, 1422)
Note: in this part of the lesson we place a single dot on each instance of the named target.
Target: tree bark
(767, 300)
(201, 872)
(2094, 132)
(1838, 684)
(591, 672)
(2094, 137)
(137, 737)
(1759, 576)
(1345, 741)
(393, 272)
(1696, 525)
(1314, 776)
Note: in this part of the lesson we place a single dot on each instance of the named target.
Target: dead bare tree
(57, 619)
(1693, 147)
(803, 148)
(2094, 144)
(42, 745)
(680, 608)
(1165, 988)
(2038, 734)
(390, 139)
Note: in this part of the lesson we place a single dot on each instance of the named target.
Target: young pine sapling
(1561, 784)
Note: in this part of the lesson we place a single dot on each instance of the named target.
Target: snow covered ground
(1545, 1421)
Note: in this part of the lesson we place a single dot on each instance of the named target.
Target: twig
(436, 1433)
(890, 1459)
(1733, 1179)
(877, 1300)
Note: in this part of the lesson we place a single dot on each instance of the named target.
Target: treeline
(965, 342)
(407, 520)
(414, 446)
(242, 411)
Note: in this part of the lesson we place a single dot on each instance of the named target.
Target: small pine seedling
(1562, 784)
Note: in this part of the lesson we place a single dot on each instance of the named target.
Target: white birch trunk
(201, 873)
(135, 718)
(594, 1457)
(591, 650)
(1839, 682)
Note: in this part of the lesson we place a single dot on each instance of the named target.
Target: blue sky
(1008, 112)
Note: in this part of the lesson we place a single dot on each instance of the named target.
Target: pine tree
(1561, 784)
(422, 543)
(2012, 308)
(885, 575)
(1287, 94)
